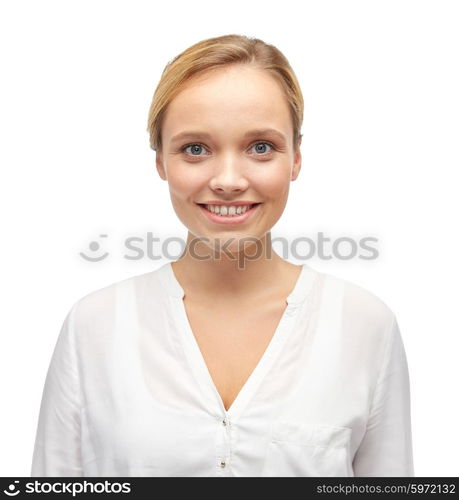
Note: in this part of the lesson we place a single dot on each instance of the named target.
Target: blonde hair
(214, 53)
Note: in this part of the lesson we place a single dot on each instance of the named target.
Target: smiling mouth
(249, 207)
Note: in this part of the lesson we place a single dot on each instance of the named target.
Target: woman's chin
(219, 244)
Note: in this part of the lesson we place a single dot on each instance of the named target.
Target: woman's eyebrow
(265, 131)
(250, 133)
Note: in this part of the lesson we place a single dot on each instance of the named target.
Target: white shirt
(128, 392)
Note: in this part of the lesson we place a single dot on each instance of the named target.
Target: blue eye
(195, 149)
(262, 144)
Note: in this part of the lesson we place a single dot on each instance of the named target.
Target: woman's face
(216, 148)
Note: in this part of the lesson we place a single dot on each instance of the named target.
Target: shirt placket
(225, 445)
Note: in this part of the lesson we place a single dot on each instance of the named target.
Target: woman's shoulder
(101, 302)
(362, 309)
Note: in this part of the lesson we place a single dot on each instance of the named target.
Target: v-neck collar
(196, 359)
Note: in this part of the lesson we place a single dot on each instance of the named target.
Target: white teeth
(228, 211)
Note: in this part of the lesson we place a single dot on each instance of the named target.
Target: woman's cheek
(276, 185)
(185, 179)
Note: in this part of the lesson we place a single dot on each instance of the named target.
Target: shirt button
(222, 464)
(224, 422)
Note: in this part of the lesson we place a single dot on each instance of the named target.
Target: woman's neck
(203, 272)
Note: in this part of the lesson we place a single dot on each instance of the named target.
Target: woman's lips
(230, 220)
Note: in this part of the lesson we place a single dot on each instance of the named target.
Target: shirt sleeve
(386, 448)
(57, 450)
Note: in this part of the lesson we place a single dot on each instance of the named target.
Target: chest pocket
(308, 450)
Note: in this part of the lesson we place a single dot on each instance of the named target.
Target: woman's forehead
(240, 96)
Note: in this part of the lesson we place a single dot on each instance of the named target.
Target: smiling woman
(227, 138)
(234, 363)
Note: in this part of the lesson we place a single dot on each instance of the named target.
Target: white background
(380, 158)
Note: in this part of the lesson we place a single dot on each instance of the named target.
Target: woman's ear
(160, 166)
(296, 163)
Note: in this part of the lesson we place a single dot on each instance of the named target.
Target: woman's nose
(229, 174)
